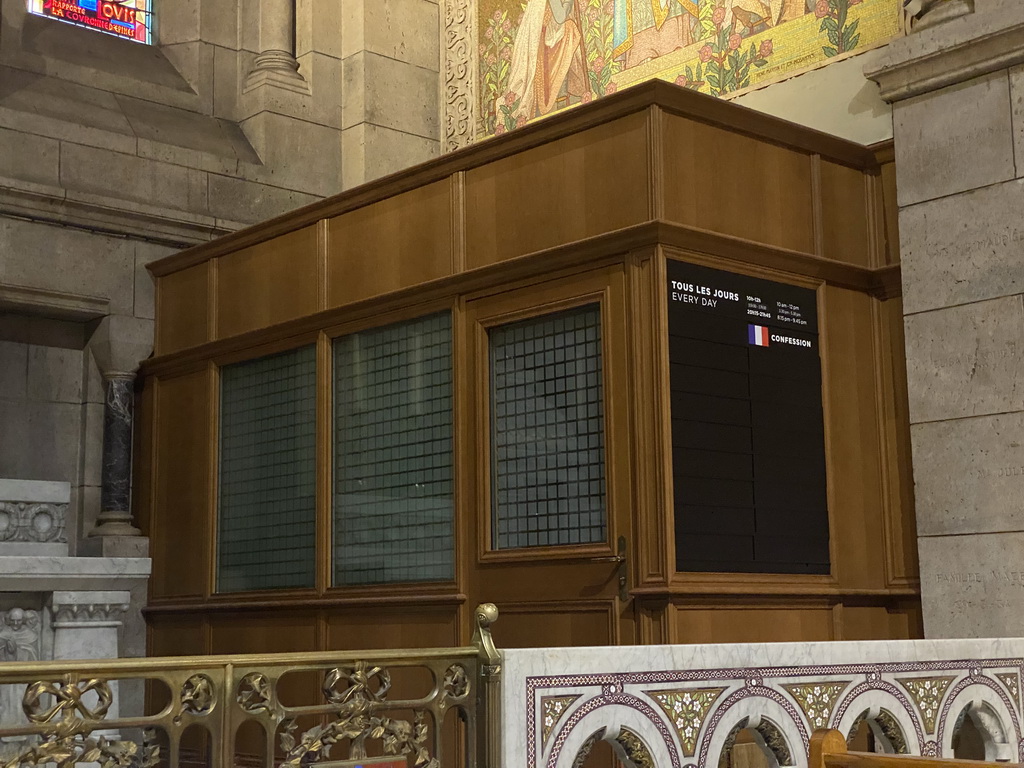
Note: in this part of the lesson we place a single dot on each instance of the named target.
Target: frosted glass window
(393, 454)
(268, 472)
(547, 433)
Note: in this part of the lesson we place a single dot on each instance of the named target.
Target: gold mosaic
(817, 699)
(686, 708)
(926, 693)
(534, 57)
(551, 710)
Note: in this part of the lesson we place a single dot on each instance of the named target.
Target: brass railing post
(488, 689)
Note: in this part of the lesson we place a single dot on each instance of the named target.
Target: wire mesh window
(393, 499)
(547, 431)
(267, 508)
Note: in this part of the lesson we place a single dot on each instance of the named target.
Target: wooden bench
(828, 750)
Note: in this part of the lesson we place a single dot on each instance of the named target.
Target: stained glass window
(130, 19)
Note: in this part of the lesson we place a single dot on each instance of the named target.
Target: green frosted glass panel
(267, 509)
(393, 499)
(547, 431)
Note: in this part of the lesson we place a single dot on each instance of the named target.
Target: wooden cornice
(653, 94)
(883, 283)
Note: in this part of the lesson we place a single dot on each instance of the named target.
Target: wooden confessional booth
(634, 373)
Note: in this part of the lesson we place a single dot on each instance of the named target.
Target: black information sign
(748, 449)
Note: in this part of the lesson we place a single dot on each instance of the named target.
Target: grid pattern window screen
(547, 431)
(393, 502)
(268, 473)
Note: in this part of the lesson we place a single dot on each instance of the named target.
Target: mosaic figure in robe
(649, 29)
(547, 58)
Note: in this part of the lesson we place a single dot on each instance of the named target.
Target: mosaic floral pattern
(698, 709)
(927, 693)
(817, 700)
(687, 710)
(552, 709)
(1012, 682)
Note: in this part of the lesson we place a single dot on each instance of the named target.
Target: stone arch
(619, 719)
(632, 750)
(868, 701)
(890, 736)
(988, 709)
(770, 739)
(766, 712)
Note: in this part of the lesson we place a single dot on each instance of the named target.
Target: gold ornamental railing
(374, 708)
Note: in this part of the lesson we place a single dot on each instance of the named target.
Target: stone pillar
(119, 344)
(276, 63)
(389, 129)
(115, 518)
(957, 89)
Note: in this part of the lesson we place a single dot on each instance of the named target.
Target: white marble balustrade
(683, 705)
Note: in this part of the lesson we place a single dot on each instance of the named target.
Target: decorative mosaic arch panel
(692, 712)
(508, 62)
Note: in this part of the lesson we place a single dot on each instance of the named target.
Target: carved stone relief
(457, 106)
(19, 641)
(32, 522)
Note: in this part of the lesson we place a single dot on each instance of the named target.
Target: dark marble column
(115, 518)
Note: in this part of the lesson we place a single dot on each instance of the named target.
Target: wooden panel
(177, 636)
(891, 213)
(267, 283)
(579, 186)
(737, 185)
(752, 625)
(548, 626)
(183, 300)
(846, 236)
(143, 458)
(180, 541)
(262, 632)
(874, 623)
(901, 521)
(852, 443)
(392, 627)
(396, 243)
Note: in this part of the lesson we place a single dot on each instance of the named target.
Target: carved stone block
(969, 475)
(964, 248)
(972, 585)
(955, 139)
(966, 360)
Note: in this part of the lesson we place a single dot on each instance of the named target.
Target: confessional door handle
(622, 570)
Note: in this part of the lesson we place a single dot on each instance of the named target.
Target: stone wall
(958, 93)
(114, 154)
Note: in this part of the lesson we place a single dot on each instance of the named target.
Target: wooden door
(545, 459)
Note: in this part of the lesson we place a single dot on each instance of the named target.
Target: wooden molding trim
(653, 94)
(888, 282)
(884, 151)
(760, 589)
(242, 603)
(590, 253)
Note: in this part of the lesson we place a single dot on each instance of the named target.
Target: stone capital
(120, 344)
(89, 609)
(951, 45)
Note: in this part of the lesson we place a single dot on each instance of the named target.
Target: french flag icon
(758, 335)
